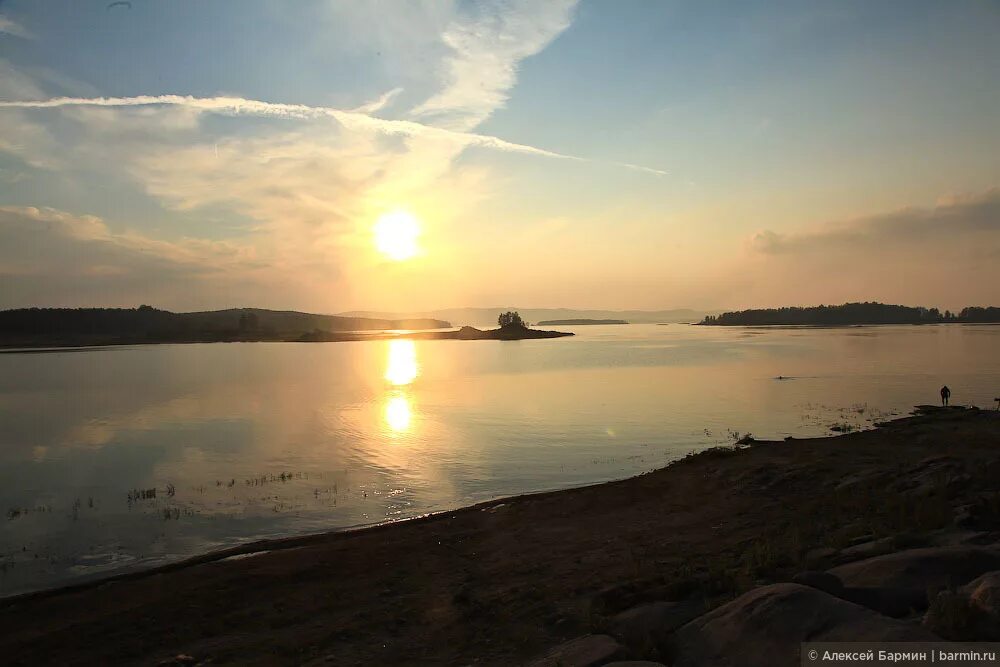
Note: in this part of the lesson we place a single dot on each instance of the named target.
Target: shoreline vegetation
(85, 327)
(852, 314)
(885, 534)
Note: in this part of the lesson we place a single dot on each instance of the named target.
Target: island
(464, 333)
(84, 327)
(77, 327)
(511, 327)
(852, 314)
(578, 322)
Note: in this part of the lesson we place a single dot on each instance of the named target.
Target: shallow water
(246, 441)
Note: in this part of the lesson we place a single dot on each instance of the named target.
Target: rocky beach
(730, 556)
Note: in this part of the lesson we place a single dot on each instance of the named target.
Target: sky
(636, 155)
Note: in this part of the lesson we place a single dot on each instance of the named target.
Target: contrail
(355, 120)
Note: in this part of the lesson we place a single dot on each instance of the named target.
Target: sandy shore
(496, 584)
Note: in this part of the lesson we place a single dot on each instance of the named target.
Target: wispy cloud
(942, 255)
(46, 252)
(351, 120)
(10, 27)
(377, 105)
(486, 49)
(952, 218)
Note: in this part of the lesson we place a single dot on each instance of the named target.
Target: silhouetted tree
(980, 314)
(512, 320)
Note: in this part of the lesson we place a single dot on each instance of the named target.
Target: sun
(396, 234)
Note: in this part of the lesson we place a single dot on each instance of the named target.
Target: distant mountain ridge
(488, 316)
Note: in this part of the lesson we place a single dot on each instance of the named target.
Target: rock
(586, 651)
(971, 613)
(949, 617)
(862, 480)
(819, 556)
(933, 475)
(964, 516)
(984, 593)
(961, 537)
(650, 625)
(888, 601)
(766, 626)
(635, 663)
(823, 581)
(616, 597)
(894, 602)
(866, 549)
(860, 540)
(920, 569)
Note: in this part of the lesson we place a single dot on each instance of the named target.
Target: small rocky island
(579, 322)
(511, 327)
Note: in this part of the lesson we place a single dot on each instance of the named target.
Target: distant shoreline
(830, 326)
(464, 333)
(848, 314)
(93, 327)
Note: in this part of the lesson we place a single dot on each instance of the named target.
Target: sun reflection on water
(398, 413)
(401, 369)
(401, 366)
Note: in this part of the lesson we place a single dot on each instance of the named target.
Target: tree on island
(511, 320)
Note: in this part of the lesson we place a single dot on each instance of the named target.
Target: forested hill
(851, 313)
(83, 326)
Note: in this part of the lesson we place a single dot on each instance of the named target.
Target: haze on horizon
(332, 156)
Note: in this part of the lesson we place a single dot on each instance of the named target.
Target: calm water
(247, 441)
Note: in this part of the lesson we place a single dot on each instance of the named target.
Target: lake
(129, 457)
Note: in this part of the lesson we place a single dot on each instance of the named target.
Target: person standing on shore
(945, 395)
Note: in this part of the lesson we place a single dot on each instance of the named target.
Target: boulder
(971, 613)
(984, 593)
(823, 581)
(766, 626)
(920, 569)
(889, 601)
(895, 602)
(635, 663)
(820, 556)
(866, 549)
(586, 651)
(649, 626)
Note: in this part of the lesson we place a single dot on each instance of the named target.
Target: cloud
(291, 188)
(486, 49)
(943, 255)
(46, 252)
(21, 136)
(953, 218)
(10, 27)
(377, 105)
(352, 120)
